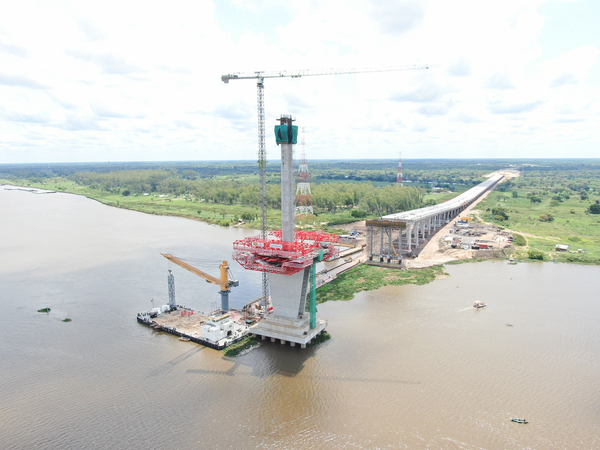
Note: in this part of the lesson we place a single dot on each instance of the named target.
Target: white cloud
(131, 80)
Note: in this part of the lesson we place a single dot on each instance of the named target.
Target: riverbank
(185, 206)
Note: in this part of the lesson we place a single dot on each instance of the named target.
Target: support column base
(287, 330)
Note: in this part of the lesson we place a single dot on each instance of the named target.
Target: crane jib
(308, 72)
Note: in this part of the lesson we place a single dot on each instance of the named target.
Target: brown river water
(407, 367)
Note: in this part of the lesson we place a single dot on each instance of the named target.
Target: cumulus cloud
(460, 68)
(109, 63)
(467, 118)
(21, 81)
(39, 118)
(500, 81)
(564, 78)
(397, 17)
(433, 109)
(14, 50)
(150, 75)
(423, 94)
(79, 124)
(513, 108)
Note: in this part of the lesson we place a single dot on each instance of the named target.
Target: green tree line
(327, 197)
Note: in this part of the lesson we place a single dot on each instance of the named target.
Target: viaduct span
(400, 232)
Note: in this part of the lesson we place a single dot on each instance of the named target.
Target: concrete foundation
(288, 321)
(292, 331)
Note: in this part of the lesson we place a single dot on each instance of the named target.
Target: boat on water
(479, 304)
(184, 339)
(44, 310)
(514, 419)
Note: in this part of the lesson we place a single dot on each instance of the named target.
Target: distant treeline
(326, 197)
(336, 184)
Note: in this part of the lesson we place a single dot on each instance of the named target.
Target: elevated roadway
(409, 228)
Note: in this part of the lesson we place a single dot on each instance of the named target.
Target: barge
(218, 330)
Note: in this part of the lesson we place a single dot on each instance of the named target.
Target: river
(407, 367)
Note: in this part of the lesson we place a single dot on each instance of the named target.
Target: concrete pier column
(262, 338)
(302, 345)
(292, 344)
(287, 188)
(409, 236)
(418, 228)
(272, 339)
(283, 342)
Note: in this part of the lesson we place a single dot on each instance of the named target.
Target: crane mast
(262, 163)
(262, 153)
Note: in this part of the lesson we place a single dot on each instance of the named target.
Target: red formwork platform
(276, 256)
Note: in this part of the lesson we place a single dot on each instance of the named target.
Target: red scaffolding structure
(273, 255)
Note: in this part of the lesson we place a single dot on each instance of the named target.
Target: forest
(342, 191)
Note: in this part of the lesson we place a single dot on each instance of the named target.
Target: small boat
(514, 419)
(184, 339)
(479, 304)
(66, 319)
(46, 310)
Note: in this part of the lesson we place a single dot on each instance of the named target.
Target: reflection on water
(407, 367)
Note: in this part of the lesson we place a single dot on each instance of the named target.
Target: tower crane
(262, 153)
(224, 281)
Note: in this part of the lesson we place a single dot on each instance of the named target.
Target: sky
(89, 81)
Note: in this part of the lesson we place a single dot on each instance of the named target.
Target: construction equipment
(225, 282)
(262, 153)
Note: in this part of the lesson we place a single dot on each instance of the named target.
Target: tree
(535, 254)
(515, 194)
(546, 218)
(358, 213)
(535, 199)
(126, 192)
(499, 213)
(595, 208)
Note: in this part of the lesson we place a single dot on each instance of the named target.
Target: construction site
(288, 258)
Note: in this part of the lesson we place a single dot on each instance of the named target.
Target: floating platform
(186, 323)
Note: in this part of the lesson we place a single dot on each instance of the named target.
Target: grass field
(571, 225)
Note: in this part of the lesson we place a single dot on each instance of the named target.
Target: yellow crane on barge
(225, 281)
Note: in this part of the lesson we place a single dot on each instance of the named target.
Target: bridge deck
(459, 201)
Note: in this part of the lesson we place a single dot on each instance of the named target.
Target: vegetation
(318, 339)
(552, 202)
(368, 278)
(239, 347)
(519, 240)
(535, 254)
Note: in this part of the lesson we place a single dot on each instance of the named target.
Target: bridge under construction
(401, 233)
